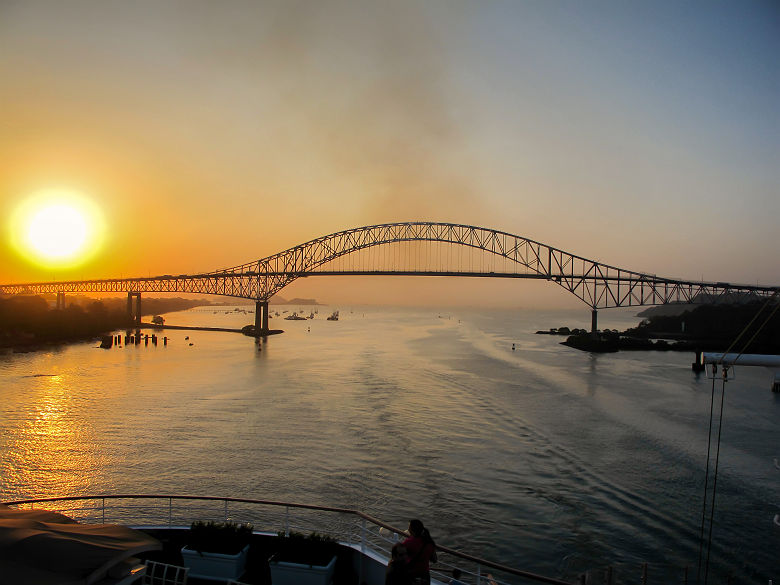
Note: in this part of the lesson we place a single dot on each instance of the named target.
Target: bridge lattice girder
(598, 285)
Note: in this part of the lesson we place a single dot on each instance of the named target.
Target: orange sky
(211, 134)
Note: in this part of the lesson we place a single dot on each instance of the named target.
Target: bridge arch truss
(597, 284)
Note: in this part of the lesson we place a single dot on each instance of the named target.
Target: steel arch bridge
(461, 250)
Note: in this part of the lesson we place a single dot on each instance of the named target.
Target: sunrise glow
(57, 229)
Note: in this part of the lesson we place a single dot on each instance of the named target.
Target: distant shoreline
(702, 328)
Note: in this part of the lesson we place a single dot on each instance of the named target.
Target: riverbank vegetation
(705, 328)
(27, 322)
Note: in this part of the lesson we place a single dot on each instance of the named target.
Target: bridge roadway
(598, 285)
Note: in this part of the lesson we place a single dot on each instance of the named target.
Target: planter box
(214, 565)
(285, 573)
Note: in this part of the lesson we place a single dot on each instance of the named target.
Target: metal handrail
(287, 505)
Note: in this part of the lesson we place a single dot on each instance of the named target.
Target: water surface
(541, 457)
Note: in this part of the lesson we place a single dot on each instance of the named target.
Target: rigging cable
(706, 478)
(720, 428)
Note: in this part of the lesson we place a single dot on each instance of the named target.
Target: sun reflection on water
(52, 452)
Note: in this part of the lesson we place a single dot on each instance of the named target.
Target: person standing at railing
(421, 550)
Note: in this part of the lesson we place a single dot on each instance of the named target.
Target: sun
(57, 229)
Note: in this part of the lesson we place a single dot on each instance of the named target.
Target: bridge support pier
(594, 323)
(134, 317)
(261, 317)
(60, 300)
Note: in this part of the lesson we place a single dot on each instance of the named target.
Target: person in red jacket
(420, 552)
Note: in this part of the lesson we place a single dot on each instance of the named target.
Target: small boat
(295, 317)
(334, 316)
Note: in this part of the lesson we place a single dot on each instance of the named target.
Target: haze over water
(544, 458)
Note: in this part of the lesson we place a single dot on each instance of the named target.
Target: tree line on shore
(717, 326)
(711, 327)
(31, 320)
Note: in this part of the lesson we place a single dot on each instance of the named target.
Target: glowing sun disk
(57, 228)
(57, 231)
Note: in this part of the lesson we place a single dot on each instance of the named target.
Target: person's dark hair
(416, 527)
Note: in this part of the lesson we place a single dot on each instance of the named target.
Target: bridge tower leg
(594, 323)
(261, 317)
(134, 317)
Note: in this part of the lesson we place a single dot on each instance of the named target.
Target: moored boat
(295, 317)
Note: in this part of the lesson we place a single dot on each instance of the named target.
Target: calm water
(545, 458)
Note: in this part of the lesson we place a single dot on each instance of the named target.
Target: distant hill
(149, 305)
(672, 309)
(277, 300)
(714, 327)
(710, 327)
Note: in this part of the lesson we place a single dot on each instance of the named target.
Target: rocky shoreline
(704, 328)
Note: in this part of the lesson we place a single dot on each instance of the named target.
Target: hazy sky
(642, 134)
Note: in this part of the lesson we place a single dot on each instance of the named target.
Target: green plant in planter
(313, 549)
(227, 538)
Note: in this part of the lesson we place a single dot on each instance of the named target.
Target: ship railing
(352, 528)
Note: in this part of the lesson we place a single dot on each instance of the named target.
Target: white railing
(350, 527)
